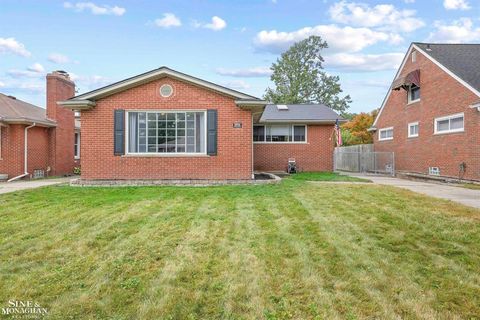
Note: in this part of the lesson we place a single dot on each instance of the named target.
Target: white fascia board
(77, 104)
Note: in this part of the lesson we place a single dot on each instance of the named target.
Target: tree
(355, 130)
(299, 77)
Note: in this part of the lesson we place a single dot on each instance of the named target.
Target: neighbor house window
(280, 133)
(166, 132)
(448, 124)
(385, 134)
(413, 130)
(0, 142)
(413, 93)
(77, 145)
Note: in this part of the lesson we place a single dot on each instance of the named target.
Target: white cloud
(458, 32)
(169, 20)
(86, 83)
(10, 45)
(216, 24)
(36, 67)
(339, 39)
(95, 9)
(456, 5)
(247, 73)
(34, 71)
(382, 16)
(364, 62)
(2, 84)
(409, 1)
(237, 85)
(58, 58)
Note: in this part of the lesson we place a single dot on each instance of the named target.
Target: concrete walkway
(461, 195)
(6, 187)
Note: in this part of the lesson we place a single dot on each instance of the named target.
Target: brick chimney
(59, 88)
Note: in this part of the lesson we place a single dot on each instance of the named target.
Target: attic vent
(282, 107)
(12, 97)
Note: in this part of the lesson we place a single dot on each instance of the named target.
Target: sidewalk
(6, 187)
(461, 195)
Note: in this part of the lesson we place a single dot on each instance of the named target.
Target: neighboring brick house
(35, 141)
(430, 117)
(164, 124)
(299, 131)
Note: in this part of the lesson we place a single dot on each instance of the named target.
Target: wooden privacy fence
(363, 158)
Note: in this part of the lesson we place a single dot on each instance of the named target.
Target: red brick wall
(12, 155)
(441, 95)
(12, 150)
(63, 136)
(234, 152)
(315, 155)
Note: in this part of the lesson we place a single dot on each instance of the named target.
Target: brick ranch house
(430, 117)
(35, 141)
(165, 124)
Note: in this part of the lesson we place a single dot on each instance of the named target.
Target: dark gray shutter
(119, 132)
(212, 132)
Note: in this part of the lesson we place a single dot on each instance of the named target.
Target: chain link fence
(362, 158)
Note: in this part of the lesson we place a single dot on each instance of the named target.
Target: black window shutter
(212, 132)
(119, 132)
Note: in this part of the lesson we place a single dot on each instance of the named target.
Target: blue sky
(232, 43)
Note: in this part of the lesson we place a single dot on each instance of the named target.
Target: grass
(295, 250)
(325, 176)
(472, 186)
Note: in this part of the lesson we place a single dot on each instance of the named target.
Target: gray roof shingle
(310, 113)
(461, 59)
(14, 109)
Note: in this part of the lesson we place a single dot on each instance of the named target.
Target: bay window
(162, 132)
(280, 133)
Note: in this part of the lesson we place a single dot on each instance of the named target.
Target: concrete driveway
(6, 187)
(461, 195)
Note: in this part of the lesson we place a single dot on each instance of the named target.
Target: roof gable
(460, 64)
(157, 74)
(461, 59)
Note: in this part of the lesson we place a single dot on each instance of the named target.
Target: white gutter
(25, 160)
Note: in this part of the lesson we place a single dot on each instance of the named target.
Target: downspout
(25, 155)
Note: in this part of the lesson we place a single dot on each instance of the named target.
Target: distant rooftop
(13, 109)
(308, 113)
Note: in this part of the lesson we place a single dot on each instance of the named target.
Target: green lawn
(296, 250)
(325, 176)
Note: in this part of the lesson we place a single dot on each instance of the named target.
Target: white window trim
(449, 117)
(1, 142)
(380, 135)
(282, 142)
(78, 145)
(166, 154)
(409, 95)
(411, 124)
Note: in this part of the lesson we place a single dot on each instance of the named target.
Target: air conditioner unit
(434, 171)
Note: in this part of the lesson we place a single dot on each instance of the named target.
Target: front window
(453, 123)
(166, 132)
(385, 134)
(77, 145)
(280, 133)
(413, 93)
